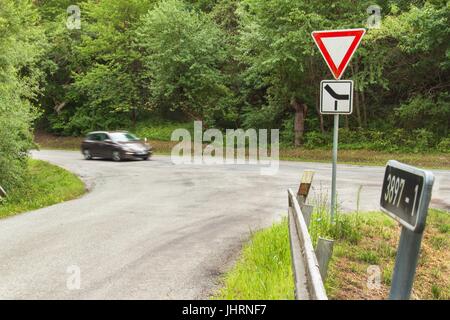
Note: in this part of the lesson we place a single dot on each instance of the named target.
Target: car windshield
(123, 137)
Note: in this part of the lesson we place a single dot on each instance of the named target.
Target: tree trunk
(358, 111)
(299, 123)
(363, 104)
(322, 127)
(355, 69)
(59, 106)
(134, 117)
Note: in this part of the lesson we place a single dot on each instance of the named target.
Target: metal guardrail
(307, 278)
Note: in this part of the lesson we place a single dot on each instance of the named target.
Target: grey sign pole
(405, 264)
(408, 250)
(335, 154)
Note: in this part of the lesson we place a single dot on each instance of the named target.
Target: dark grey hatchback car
(119, 145)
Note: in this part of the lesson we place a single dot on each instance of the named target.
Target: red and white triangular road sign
(337, 47)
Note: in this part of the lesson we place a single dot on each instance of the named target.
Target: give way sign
(337, 47)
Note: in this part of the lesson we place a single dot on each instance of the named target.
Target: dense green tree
(248, 63)
(283, 62)
(58, 64)
(184, 52)
(276, 45)
(404, 70)
(95, 81)
(21, 43)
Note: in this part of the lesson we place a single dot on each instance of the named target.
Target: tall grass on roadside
(343, 226)
(264, 269)
(45, 185)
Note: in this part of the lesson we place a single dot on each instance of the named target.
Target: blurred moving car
(118, 145)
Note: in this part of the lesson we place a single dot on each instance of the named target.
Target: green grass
(160, 130)
(264, 270)
(361, 240)
(45, 185)
(432, 160)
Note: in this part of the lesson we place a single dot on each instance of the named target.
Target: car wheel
(116, 156)
(87, 154)
(146, 158)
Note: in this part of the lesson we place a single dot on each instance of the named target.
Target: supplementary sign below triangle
(337, 47)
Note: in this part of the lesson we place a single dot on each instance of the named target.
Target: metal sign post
(334, 169)
(405, 197)
(405, 265)
(336, 97)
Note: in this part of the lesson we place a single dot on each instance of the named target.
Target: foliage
(444, 145)
(160, 130)
(244, 63)
(96, 67)
(230, 63)
(183, 52)
(21, 43)
(435, 109)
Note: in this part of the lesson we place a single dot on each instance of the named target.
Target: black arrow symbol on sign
(336, 96)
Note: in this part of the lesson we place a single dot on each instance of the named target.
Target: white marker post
(336, 97)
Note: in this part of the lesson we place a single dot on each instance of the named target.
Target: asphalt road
(155, 230)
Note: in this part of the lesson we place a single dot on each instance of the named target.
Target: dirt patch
(349, 273)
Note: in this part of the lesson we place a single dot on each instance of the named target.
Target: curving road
(155, 230)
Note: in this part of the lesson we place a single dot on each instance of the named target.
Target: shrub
(418, 140)
(316, 139)
(444, 145)
(422, 139)
(20, 47)
(161, 130)
(15, 140)
(183, 53)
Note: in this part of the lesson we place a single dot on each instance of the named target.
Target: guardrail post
(324, 251)
(307, 211)
(305, 185)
